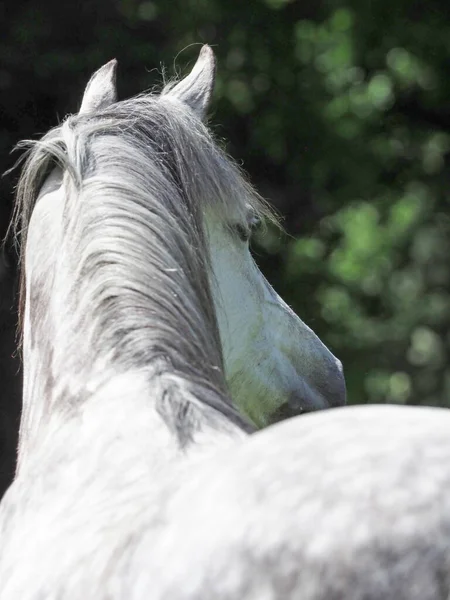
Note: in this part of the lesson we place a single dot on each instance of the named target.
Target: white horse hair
(137, 478)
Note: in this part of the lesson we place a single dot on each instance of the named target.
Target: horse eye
(243, 232)
(255, 223)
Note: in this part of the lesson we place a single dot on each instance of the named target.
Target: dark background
(339, 111)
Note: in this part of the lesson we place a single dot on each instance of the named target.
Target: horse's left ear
(101, 90)
(196, 89)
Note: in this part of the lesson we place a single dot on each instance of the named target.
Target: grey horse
(138, 477)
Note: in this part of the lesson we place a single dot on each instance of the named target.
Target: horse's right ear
(101, 90)
(196, 89)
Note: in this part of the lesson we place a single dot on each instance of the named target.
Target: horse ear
(196, 89)
(101, 90)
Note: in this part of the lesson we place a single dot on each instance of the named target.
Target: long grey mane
(144, 170)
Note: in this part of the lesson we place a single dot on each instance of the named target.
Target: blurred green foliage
(339, 110)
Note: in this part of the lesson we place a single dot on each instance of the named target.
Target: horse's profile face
(275, 365)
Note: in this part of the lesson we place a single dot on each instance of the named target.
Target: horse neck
(98, 314)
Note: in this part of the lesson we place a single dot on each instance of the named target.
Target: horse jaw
(275, 364)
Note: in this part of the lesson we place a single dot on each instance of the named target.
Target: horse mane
(151, 169)
(162, 130)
